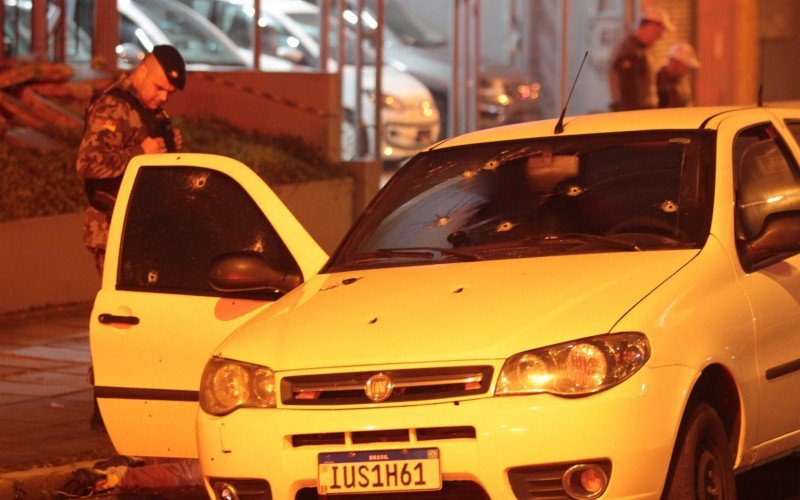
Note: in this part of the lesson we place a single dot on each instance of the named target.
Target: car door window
(794, 128)
(179, 219)
(130, 33)
(232, 19)
(278, 41)
(767, 175)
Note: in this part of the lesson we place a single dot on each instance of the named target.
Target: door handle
(108, 319)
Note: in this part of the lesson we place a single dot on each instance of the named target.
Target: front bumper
(494, 114)
(403, 140)
(632, 425)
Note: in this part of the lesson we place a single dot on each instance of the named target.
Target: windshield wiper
(425, 253)
(572, 239)
(589, 238)
(462, 255)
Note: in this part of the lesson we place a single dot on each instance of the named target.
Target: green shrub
(277, 159)
(34, 184)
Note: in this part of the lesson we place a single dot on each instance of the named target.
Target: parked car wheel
(702, 466)
(348, 140)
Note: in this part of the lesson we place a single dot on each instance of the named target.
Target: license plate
(379, 471)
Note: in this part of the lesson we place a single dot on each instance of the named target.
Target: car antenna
(560, 124)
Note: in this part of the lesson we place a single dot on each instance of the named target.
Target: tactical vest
(103, 192)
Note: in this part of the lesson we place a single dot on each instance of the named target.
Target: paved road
(45, 399)
(779, 480)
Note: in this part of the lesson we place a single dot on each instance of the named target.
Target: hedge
(34, 184)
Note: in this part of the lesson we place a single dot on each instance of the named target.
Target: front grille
(408, 385)
(409, 136)
(536, 482)
(386, 436)
(391, 436)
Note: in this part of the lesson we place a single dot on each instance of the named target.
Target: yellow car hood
(449, 312)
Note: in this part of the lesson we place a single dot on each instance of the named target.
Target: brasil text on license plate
(379, 471)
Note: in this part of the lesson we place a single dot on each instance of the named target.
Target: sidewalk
(45, 401)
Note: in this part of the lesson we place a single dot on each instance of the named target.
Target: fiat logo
(379, 387)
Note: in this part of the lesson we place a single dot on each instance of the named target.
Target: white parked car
(608, 312)
(410, 118)
(143, 25)
(147, 23)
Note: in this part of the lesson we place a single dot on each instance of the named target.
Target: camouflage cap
(172, 63)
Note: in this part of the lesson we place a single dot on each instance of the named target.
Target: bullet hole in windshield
(198, 181)
(574, 190)
(469, 174)
(669, 206)
(491, 165)
(258, 246)
(442, 221)
(152, 277)
(505, 226)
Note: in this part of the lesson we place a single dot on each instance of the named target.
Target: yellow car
(608, 311)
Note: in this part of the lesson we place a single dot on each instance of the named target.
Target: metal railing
(465, 54)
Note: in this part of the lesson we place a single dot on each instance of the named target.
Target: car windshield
(617, 192)
(310, 24)
(197, 42)
(411, 28)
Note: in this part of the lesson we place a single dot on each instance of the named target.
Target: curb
(40, 482)
(46, 313)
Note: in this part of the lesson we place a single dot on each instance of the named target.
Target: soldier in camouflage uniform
(125, 121)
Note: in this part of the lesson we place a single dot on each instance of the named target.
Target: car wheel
(702, 466)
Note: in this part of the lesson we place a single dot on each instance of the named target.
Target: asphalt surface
(46, 408)
(46, 405)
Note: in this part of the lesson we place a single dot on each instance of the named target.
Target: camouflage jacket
(113, 135)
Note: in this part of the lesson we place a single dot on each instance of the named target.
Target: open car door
(156, 318)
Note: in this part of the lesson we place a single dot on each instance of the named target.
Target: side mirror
(780, 234)
(247, 272)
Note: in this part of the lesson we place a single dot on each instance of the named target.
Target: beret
(172, 63)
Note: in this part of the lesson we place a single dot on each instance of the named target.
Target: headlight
(494, 92)
(227, 385)
(575, 368)
(427, 107)
(389, 101)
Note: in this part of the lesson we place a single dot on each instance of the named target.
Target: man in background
(632, 73)
(672, 80)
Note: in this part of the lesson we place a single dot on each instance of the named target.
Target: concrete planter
(43, 261)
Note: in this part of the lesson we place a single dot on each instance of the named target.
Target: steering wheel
(648, 224)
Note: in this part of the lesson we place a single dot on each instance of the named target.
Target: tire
(702, 465)
(350, 134)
